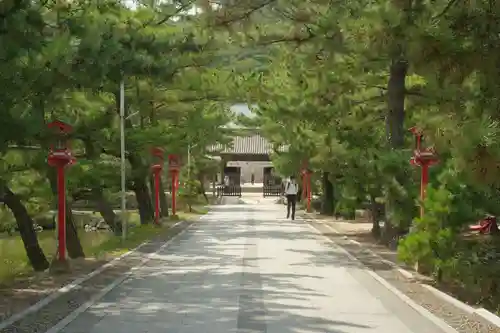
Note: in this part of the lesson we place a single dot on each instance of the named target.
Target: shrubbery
(441, 247)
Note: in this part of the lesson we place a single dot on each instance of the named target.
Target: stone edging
(482, 312)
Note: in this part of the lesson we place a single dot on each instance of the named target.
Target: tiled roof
(247, 145)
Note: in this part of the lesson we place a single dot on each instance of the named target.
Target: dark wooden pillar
(222, 168)
(234, 174)
(267, 177)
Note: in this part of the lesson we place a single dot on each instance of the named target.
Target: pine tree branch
(446, 9)
(168, 17)
(244, 15)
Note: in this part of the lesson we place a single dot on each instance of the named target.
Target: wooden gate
(229, 191)
(233, 189)
(272, 186)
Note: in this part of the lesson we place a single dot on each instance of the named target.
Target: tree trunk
(163, 201)
(102, 205)
(152, 191)
(104, 208)
(73, 245)
(144, 203)
(202, 186)
(97, 195)
(396, 92)
(163, 197)
(24, 222)
(376, 210)
(141, 190)
(328, 204)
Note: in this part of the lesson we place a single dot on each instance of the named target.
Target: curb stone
(459, 304)
(491, 317)
(482, 312)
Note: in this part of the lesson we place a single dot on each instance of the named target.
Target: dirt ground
(27, 291)
(359, 230)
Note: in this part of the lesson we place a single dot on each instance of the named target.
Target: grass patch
(15, 264)
(140, 233)
(195, 212)
(100, 244)
(115, 246)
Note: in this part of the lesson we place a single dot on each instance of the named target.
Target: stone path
(245, 269)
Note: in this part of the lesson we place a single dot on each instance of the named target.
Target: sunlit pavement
(246, 269)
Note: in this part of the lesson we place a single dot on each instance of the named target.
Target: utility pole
(123, 162)
(189, 161)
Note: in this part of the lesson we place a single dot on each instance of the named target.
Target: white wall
(248, 167)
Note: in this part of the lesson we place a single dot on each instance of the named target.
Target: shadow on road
(220, 285)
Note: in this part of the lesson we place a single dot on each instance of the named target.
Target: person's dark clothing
(291, 201)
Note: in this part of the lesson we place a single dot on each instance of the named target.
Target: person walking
(291, 189)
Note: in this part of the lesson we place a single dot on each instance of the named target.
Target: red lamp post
(424, 158)
(173, 168)
(59, 157)
(304, 180)
(157, 168)
(306, 184)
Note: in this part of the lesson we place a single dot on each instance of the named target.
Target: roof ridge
(254, 144)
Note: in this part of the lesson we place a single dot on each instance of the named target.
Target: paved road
(245, 269)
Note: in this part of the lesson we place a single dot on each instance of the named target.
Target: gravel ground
(42, 320)
(460, 320)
